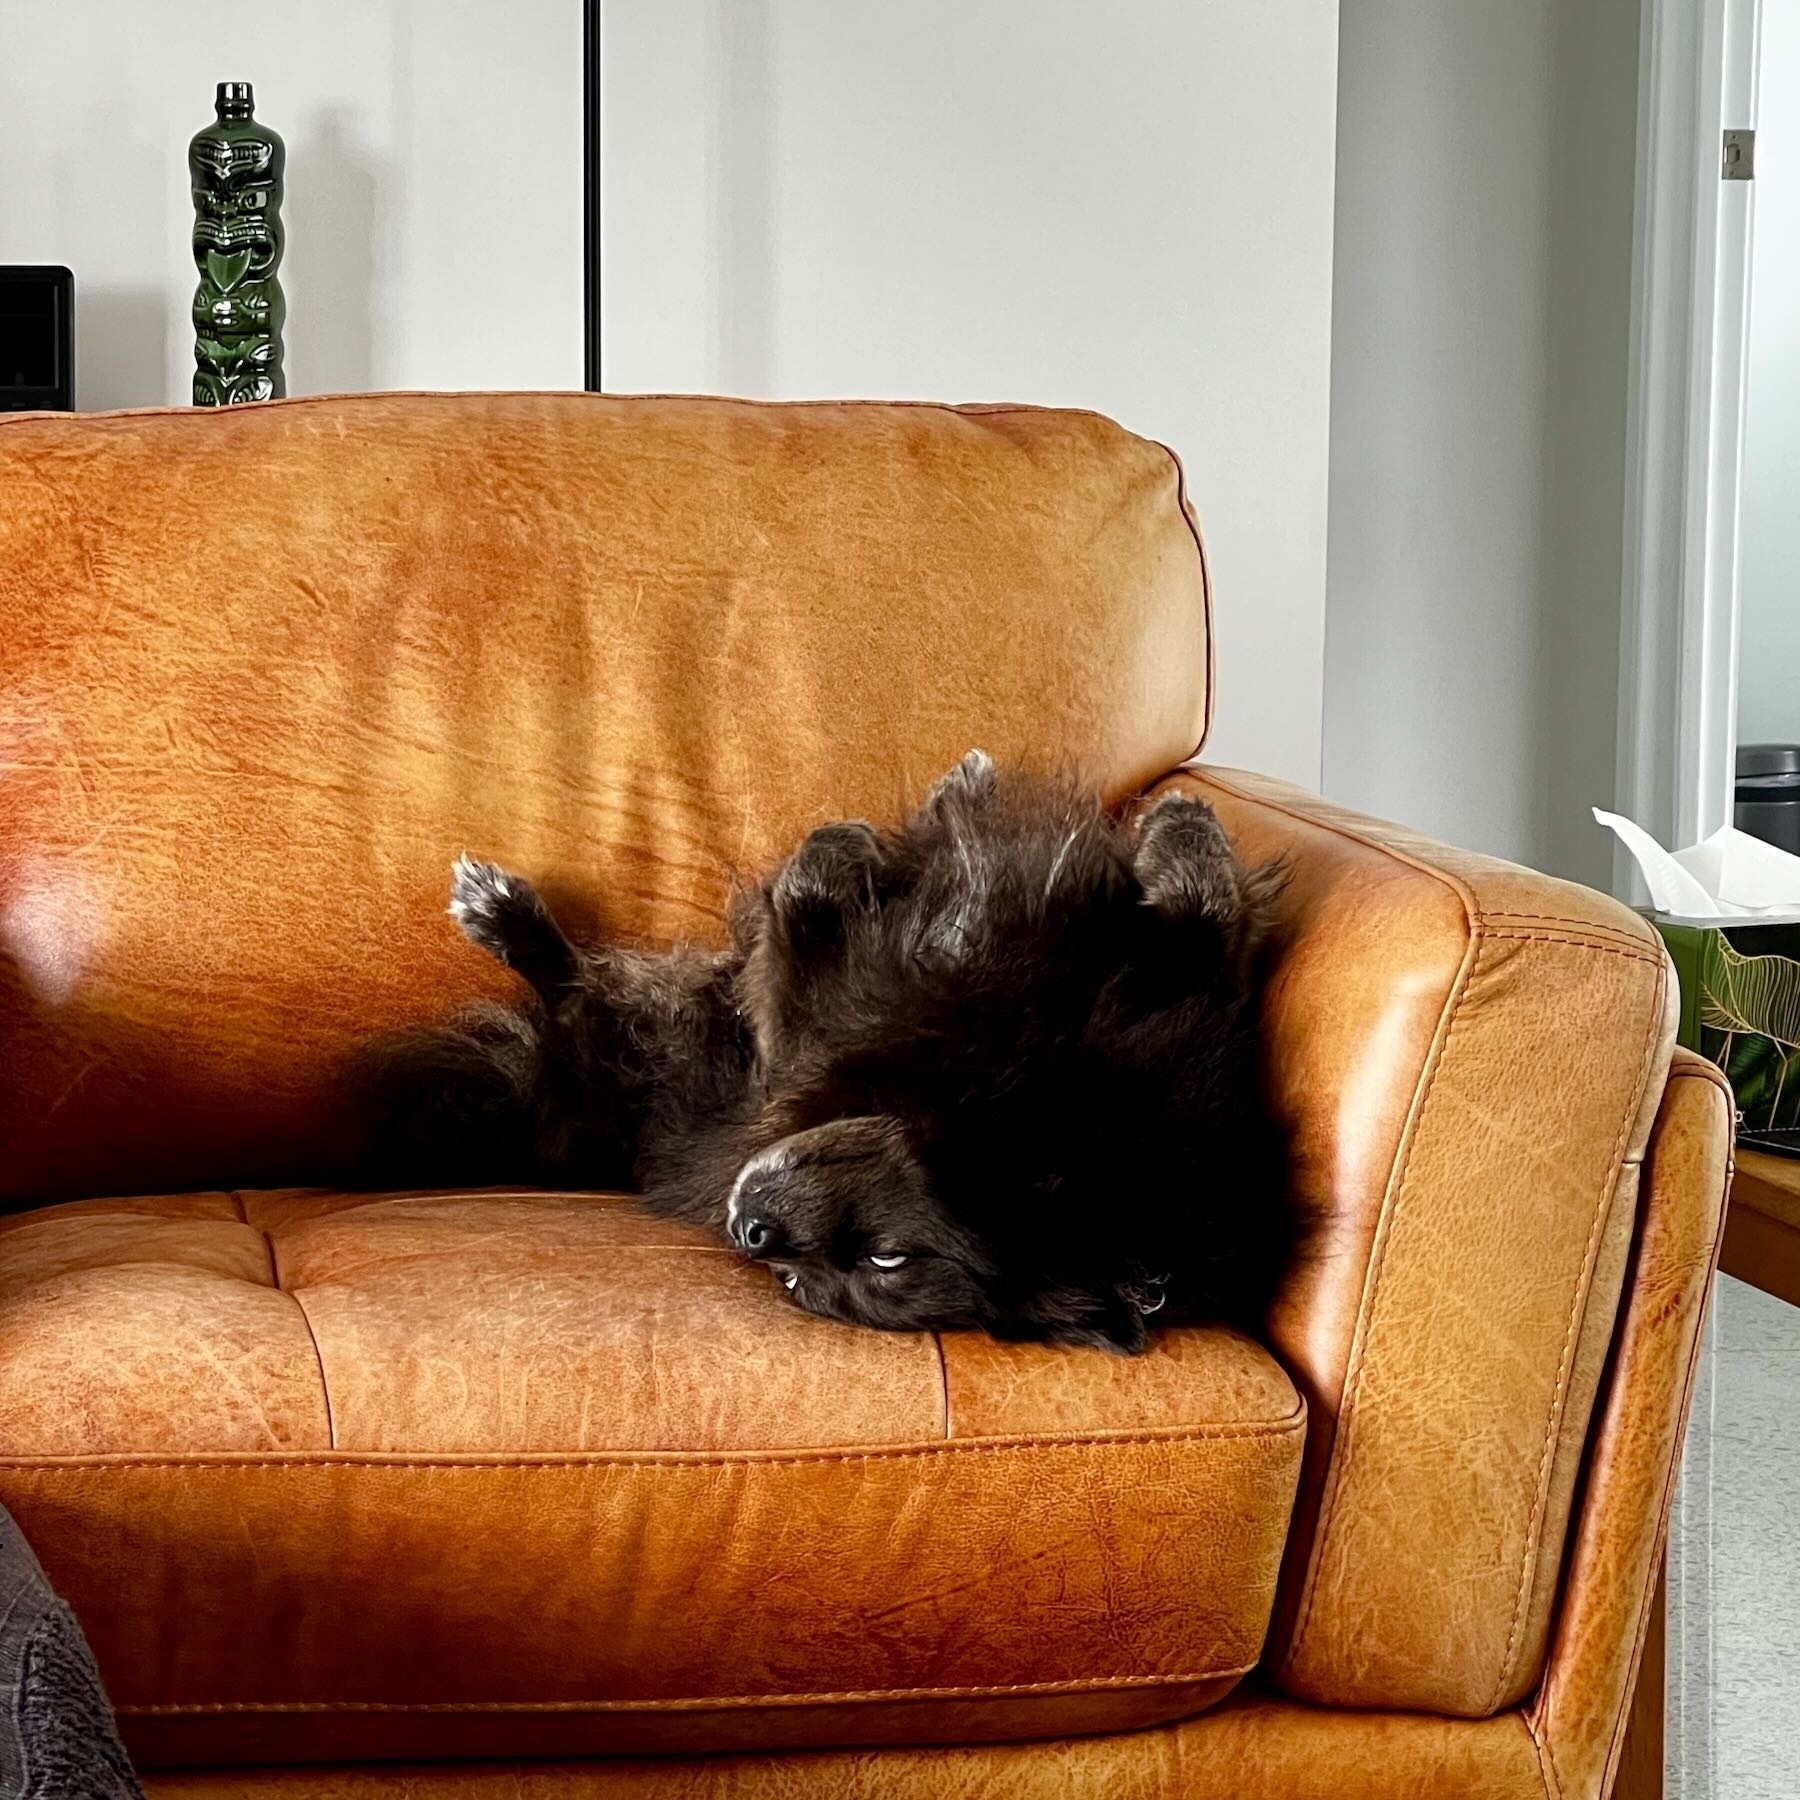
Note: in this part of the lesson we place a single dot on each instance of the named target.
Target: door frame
(1690, 295)
(1690, 304)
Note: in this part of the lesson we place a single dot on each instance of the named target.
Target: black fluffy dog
(995, 1069)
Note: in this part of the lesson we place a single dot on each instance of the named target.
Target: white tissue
(1730, 875)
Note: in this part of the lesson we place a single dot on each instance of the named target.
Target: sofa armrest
(1579, 1716)
(1470, 1056)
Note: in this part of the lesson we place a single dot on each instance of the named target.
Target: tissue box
(1740, 1008)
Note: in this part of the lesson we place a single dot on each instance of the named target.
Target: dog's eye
(886, 1262)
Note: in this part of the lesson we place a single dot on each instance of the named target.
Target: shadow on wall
(334, 191)
(121, 336)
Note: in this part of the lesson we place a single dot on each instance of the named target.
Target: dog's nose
(758, 1236)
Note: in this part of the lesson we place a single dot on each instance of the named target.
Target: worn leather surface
(1579, 1712)
(332, 1475)
(1470, 1055)
(1254, 1747)
(268, 669)
(1257, 1746)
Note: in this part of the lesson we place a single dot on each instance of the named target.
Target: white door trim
(1685, 413)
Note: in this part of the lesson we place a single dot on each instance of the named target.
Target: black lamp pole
(590, 191)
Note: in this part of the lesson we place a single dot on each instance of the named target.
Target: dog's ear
(1188, 871)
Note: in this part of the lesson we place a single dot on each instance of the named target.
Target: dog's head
(968, 1035)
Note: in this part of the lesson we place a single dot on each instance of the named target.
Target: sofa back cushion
(267, 670)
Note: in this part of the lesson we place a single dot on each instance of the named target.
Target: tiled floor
(1735, 1669)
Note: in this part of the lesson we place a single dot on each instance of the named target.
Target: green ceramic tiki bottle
(235, 167)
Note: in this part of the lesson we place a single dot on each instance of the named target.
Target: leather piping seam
(695, 1703)
(1647, 1592)
(1548, 1773)
(976, 409)
(1343, 1426)
(454, 1463)
(1212, 778)
(1344, 1435)
(312, 1337)
(1565, 1358)
(1186, 510)
(1570, 942)
(1659, 1544)
(1508, 916)
(1478, 915)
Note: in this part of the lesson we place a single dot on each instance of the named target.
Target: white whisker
(1062, 856)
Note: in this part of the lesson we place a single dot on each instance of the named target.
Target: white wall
(434, 182)
(1769, 572)
(1127, 207)
(1479, 343)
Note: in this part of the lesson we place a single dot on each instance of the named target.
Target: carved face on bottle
(237, 231)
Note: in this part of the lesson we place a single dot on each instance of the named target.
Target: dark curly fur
(995, 1069)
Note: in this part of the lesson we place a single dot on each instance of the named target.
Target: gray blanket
(57, 1739)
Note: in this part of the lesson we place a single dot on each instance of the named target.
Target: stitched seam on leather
(1345, 1431)
(1577, 1311)
(1541, 1712)
(1530, 918)
(1343, 1434)
(1548, 1773)
(1576, 943)
(1647, 1594)
(1478, 914)
(102, 1462)
(312, 1337)
(1701, 1068)
(694, 1703)
(1344, 1442)
(1443, 877)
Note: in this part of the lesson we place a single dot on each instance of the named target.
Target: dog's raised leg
(504, 915)
(836, 871)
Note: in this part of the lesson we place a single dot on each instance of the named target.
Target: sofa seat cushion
(336, 1475)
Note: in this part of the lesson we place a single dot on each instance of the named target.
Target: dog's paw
(482, 894)
(503, 914)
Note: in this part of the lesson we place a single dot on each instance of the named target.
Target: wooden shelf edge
(1762, 1225)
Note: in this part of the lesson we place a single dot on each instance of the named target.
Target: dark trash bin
(1768, 793)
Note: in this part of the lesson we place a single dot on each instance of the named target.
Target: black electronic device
(37, 338)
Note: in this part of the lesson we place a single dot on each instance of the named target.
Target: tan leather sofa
(517, 1494)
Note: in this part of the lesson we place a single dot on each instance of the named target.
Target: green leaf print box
(1740, 1008)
